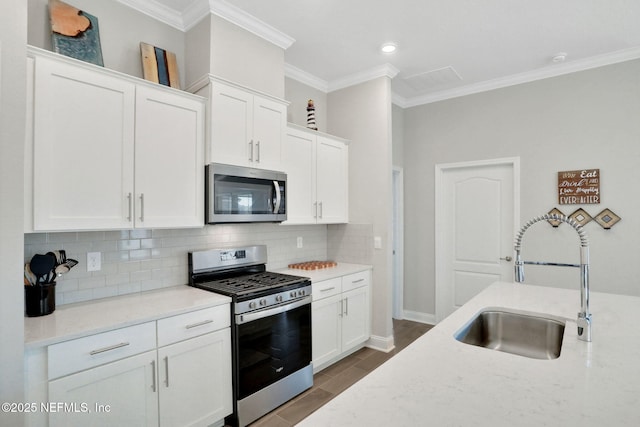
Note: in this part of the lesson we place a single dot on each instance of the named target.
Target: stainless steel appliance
(242, 194)
(270, 327)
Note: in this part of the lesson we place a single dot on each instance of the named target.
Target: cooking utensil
(61, 256)
(29, 277)
(65, 267)
(42, 265)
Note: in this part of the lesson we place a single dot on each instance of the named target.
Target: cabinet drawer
(356, 280)
(87, 352)
(189, 325)
(326, 288)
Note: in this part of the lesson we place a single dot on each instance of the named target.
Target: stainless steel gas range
(270, 327)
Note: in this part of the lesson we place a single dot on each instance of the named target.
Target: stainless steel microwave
(242, 194)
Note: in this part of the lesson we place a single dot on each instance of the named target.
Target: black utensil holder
(40, 300)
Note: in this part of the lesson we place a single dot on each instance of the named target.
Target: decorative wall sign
(159, 65)
(607, 219)
(581, 187)
(75, 33)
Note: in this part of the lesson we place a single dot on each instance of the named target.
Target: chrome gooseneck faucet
(584, 317)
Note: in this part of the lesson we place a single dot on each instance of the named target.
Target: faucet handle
(584, 327)
(507, 258)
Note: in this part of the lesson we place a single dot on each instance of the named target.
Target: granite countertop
(342, 269)
(440, 381)
(86, 318)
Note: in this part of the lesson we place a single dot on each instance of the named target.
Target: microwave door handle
(276, 188)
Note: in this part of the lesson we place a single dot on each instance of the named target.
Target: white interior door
(476, 212)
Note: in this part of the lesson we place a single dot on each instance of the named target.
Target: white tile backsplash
(142, 260)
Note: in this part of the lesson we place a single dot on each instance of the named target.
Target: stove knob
(263, 302)
(292, 294)
(279, 298)
(252, 304)
(301, 293)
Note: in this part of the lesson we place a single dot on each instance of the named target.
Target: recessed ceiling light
(389, 47)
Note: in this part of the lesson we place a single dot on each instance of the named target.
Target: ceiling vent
(429, 80)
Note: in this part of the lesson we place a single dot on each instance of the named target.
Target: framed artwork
(75, 33)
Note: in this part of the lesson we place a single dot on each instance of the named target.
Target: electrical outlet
(299, 243)
(377, 242)
(94, 261)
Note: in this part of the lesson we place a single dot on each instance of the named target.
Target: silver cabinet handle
(320, 216)
(251, 150)
(341, 308)
(327, 289)
(141, 207)
(346, 306)
(195, 325)
(109, 348)
(507, 258)
(315, 210)
(166, 371)
(357, 281)
(153, 373)
(258, 151)
(129, 218)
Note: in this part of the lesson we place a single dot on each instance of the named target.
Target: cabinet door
(195, 380)
(169, 165)
(326, 326)
(299, 163)
(269, 130)
(83, 148)
(231, 125)
(121, 393)
(355, 317)
(332, 181)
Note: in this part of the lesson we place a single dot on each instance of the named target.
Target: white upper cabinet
(317, 177)
(169, 151)
(83, 147)
(110, 151)
(245, 128)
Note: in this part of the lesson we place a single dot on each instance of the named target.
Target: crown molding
(244, 20)
(530, 76)
(183, 20)
(306, 78)
(384, 70)
(157, 11)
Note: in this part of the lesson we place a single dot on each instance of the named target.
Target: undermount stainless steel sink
(526, 335)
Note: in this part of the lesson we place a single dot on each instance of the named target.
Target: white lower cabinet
(183, 380)
(340, 314)
(122, 393)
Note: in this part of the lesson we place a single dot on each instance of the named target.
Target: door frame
(398, 243)
(440, 217)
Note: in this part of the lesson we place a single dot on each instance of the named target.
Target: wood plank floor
(333, 380)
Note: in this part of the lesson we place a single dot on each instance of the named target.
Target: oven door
(272, 344)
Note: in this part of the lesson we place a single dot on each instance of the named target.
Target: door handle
(507, 258)
(251, 150)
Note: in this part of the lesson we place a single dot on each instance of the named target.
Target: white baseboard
(416, 316)
(384, 344)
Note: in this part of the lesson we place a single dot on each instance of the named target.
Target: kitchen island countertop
(440, 381)
(80, 319)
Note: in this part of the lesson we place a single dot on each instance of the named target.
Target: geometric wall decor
(75, 33)
(159, 65)
(554, 222)
(581, 216)
(607, 219)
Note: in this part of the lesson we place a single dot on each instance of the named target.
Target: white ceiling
(446, 48)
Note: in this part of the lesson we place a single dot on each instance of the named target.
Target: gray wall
(298, 94)
(362, 114)
(397, 136)
(13, 38)
(121, 31)
(577, 121)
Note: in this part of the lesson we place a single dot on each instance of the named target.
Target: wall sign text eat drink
(581, 187)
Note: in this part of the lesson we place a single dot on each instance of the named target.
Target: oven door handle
(261, 314)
